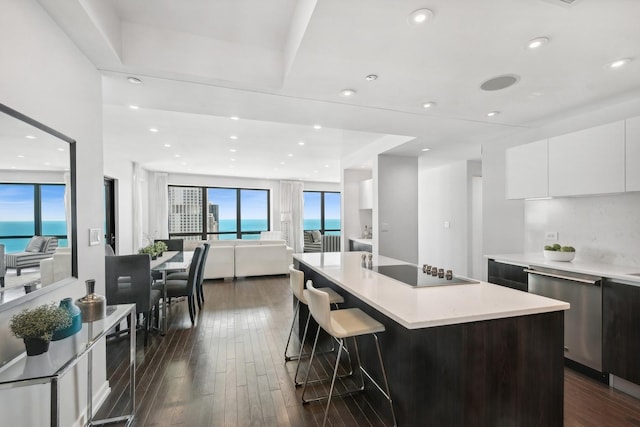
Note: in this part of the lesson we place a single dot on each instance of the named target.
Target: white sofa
(244, 258)
(57, 267)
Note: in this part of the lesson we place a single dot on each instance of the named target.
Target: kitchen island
(472, 354)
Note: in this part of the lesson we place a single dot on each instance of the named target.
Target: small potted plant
(151, 250)
(36, 326)
(160, 247)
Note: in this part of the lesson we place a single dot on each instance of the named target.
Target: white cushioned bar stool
(342, 324)
(296, 281)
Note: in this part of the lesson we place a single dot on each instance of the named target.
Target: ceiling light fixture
(235, 118)
(500, 82)
(420, 16)
(619, 63)
(233, 137)
(493, 113)
(426, 149)
(536, 43)
(316, 127)
(20, 156)
(60, 149)
(301, 143)
(134, 80)
(428, 104)
(347, 93)
(371, 77)
(154, 130)
(177, 155)
(134, 107)
(167, 145)
(30, 137)
(282, 163)
(233, 150)
(289, 155)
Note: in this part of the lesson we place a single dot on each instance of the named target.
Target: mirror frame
(72, 169)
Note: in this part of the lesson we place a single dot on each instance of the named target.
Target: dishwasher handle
(595, 282)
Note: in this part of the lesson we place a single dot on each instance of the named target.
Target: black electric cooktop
(413, 276)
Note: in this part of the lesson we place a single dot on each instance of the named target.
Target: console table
(63, 355)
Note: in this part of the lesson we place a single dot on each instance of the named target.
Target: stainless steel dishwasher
(583, 320)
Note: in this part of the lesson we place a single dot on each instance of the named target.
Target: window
(322, 212)
(31, 209)
(218, 213)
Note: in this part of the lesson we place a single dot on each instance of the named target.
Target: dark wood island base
(502, 372)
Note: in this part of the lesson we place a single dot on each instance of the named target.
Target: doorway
(110, 213)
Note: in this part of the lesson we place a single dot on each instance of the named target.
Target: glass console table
(63, 355)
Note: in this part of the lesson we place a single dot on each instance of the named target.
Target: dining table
(169, 262)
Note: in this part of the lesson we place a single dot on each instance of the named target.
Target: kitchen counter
(467, 354)
(429, 306)
(611, 271)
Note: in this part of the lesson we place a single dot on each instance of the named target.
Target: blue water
(27, 229)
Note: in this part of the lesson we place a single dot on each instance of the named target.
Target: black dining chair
(128, 280)
(185, 288)
(184, 275)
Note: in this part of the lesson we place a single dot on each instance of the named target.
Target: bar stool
(342, 324)
(296, 281)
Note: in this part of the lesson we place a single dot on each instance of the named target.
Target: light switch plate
(94, 236)
(551, 235)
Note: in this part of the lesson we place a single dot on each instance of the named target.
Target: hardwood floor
(228, 370)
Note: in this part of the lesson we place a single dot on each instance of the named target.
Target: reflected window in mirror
(37, 205)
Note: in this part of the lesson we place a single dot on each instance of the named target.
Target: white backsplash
(602, 228)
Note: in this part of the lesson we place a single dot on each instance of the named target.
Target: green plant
(151, 250)
(160, 247)
(39, 322)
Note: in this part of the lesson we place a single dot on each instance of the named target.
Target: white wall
(45, 77)
(445, 199)
(397, 207)
(602, 229)
(353, 218)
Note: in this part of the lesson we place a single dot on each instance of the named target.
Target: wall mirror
(37, 207)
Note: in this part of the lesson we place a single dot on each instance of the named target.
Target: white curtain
(137, 194)
(291, 210)
(67, 206)
(160, 206)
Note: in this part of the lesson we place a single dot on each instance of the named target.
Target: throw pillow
(35, 244)
(316, 236)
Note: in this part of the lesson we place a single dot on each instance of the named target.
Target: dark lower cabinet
(621, 330)
(509, 275)
(359, 246)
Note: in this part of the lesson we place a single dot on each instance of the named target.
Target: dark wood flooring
(228, 370)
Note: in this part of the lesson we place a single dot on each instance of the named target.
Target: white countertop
(425, 307)
(617, 272)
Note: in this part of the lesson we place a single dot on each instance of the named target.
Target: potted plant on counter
(36, 326)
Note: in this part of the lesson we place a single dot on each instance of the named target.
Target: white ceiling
(279, 66)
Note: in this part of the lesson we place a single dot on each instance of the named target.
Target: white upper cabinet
(633, 154)
(527, 171)
(591, 161)
(366, 194)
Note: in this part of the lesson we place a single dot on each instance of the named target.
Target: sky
(17, 202)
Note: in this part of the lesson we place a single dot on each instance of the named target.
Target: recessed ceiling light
(167, 145)
(536, 43)
(301, 143)
(30, 137)
(428, 104)
(233, 159)
(20, 156)
(233, 150)
(371, 77)
(289, 155)
(154, 130)
(134, 107)
(177, 155)
(134, 80)
(47, 163)
(426, 149)
(60, 149)
(235, 118)
(316, 127)
(420, 16)
(347, 93)
(282, 163)
(233, 137)
(326, 166)
(493, 113)
(619, 63)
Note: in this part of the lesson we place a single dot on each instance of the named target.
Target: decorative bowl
(559, 256)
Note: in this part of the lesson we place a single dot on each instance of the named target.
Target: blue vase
(76, 320)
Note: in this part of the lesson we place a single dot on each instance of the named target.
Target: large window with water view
(27, 210)
(216, 213)
(322, 212)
